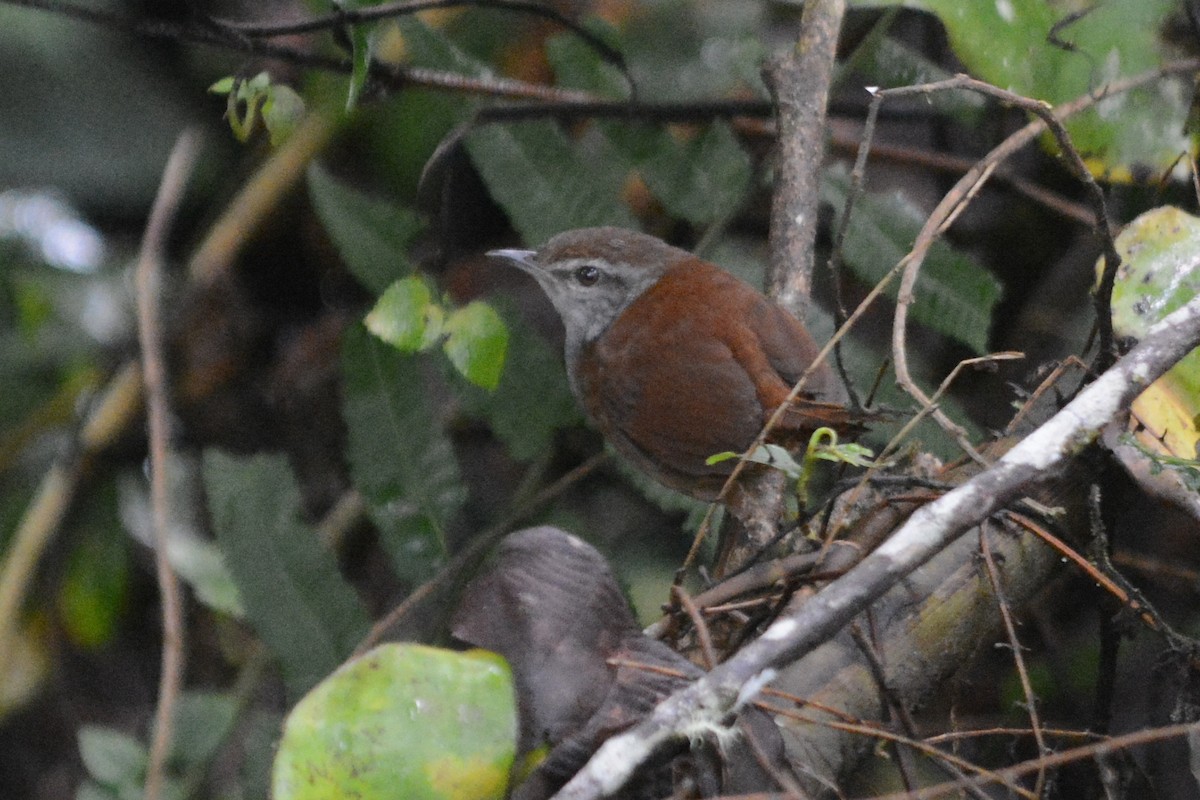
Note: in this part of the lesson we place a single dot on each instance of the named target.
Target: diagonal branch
(702, 706)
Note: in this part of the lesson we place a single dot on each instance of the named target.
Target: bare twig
(394, 77)
(154, 370)
(352, 15)
(1096, 750)
(1014, 643)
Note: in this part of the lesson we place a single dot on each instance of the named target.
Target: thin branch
(154, 370)
(351, 16)
(1014, 643)
(391, 76)
(1096, 750)
(1036, 459)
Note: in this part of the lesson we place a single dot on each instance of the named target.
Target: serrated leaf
(886, 62)
(401, 315)
(426, 47)
(543, 182)
(577, 65)
(371, 236)
(954, 295)
(700, 180)
(476, 343)
(532, 401)
(400, 458)
(288, 579)
(403, 720)
(112, 758)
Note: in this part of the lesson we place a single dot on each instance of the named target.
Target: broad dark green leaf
(578, 66)
(702, 179)
(294, 596)
(886, 62)
(954, 295)
(372, 236)
(545, 182)
(400, 457)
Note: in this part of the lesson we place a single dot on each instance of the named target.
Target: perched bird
(673, 358)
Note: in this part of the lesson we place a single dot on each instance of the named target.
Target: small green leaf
(401, 317)
(223, 86)
(717, 458)
(112, 758)
(360, 59)
(281, 112)
(303, 609)
(371, 236)
(203, 721)
(403, 720)
(533, 369)
(476, 344)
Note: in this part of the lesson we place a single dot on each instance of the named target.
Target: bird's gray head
(591, 275)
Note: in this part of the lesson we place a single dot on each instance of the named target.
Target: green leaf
(701, 180)
(577, 65)
(288, 579)
(889, 63)
(281, 112)
(203, 721)
(93, 593)
(427, 47)
(544, 182)
(403, 314)
(477, 343)
(1012, 44)
(1160, 251)
(532, 401)
(954, 295)
(223, 86)
(112, 758)
(400, 457)
(403, 720)
(371, 236)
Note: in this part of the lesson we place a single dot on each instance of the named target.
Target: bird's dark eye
(587, 275)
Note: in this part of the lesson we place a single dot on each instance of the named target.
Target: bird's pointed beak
(519, 258)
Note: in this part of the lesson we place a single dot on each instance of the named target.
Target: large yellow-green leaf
(1160, 271)
(402, 721)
